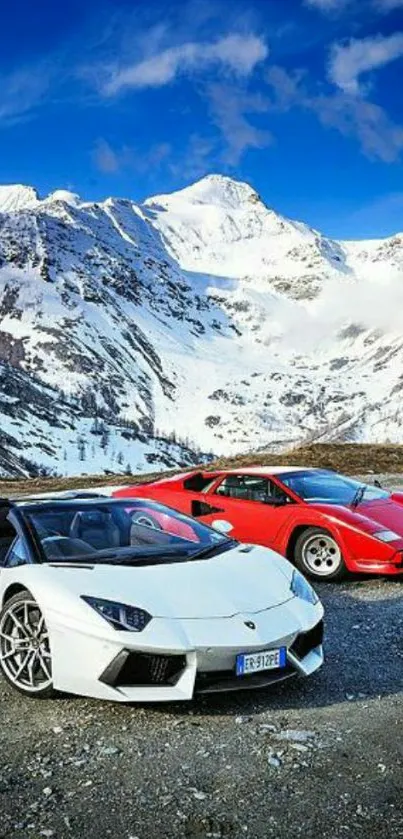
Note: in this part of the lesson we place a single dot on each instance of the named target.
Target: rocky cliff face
(136, 336)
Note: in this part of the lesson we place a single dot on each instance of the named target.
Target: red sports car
(326, 523)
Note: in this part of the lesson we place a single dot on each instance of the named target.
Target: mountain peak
(17, 197)
(116, 318)
(216, 190)
(64, 195)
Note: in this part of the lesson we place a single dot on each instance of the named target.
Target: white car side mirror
(222, 526)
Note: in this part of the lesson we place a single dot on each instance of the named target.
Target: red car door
(254, 505)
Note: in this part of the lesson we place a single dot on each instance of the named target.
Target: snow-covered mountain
(202, 321)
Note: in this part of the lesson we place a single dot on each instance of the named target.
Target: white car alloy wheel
(25, 656)
(318, 554)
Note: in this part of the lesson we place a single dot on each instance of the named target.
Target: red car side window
(249, 488)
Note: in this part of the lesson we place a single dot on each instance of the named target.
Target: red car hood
(369, 516)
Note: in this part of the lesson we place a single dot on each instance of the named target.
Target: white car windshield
(131, 531)
(330, 488)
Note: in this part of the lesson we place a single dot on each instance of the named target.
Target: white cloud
(196, 158)
(339, 6)
(288, 88)
(349, 61)
(352, 116)
(22, 91)
(387, 5)
(105, 158)
(327, 5)
(236, 53)
(110, 161)
(230, 107)
(375, 300)
(372, 301)
(378, 135)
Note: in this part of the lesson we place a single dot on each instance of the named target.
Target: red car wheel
(318, 555)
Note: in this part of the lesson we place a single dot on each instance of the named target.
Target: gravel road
(318, 758)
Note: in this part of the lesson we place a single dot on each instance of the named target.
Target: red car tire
(318, 555)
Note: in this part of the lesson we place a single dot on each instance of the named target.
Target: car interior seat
(232, 488)
(97, 528)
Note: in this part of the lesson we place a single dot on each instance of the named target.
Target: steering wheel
(145, 519)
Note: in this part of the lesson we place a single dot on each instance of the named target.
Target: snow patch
(17, 197)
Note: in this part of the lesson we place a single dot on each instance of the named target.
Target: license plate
(247, 663)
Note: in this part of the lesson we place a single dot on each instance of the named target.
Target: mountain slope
(202, 315)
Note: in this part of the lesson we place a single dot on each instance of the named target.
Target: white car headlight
(387, 535)
(119, 615)
(301, 588)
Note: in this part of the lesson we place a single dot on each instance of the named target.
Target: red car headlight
(387, 536)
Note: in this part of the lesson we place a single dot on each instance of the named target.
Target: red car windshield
(330, 488)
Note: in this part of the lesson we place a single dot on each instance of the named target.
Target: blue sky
(302, 98)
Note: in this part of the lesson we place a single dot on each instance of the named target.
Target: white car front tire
(25, 656)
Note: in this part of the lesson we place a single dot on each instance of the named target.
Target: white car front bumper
(175, 659)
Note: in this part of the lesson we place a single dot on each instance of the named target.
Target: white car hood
(228, 584)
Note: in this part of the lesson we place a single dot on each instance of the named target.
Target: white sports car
(132, 601)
